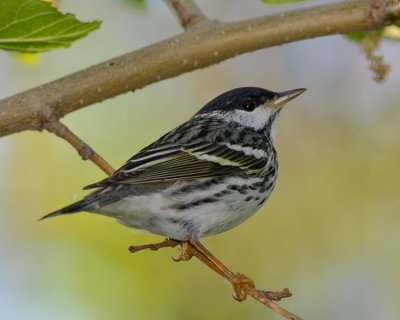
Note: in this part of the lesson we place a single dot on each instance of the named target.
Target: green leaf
(358, 36)
(36, 26)
(281, 1)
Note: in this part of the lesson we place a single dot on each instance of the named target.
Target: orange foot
(185, 254)
(238, 282)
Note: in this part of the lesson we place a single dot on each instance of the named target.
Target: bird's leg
(237, 280)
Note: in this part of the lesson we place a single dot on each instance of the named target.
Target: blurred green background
(330, 231)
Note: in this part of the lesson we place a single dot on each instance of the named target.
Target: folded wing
(172, 162)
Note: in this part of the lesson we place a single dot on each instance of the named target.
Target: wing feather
(172, 162)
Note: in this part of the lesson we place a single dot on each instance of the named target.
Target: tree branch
(84, 150)
(53, 125)
(188, 12)
(207, 44)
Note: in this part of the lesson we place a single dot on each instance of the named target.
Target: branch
(205, 45)
(188, 12)
(85, 151)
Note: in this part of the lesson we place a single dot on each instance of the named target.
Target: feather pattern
(176, 157)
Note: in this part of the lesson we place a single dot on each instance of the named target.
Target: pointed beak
(284, 97)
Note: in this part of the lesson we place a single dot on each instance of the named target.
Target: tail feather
(73, 208)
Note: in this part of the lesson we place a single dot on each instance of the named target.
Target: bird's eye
(248, 106)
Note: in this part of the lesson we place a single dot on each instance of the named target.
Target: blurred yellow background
(330, 231)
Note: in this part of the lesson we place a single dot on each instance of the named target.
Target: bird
(204, 177)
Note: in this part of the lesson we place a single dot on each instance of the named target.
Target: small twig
(188, 12)
(84, 150)
(369, 45)
(200, 252)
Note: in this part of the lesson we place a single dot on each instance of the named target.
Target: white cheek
(256, 119)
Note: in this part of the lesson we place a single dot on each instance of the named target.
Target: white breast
(157, 212)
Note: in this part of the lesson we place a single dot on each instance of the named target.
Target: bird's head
(250, 107)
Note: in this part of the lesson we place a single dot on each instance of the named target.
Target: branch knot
(377, 12)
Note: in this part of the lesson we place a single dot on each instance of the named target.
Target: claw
(176, 259)
(185, 254)
(238, 283)
(239, 296)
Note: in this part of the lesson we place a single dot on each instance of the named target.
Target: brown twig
(377, 65)
(188, 12)
(84, 150)
(205, 45)
(197, 250)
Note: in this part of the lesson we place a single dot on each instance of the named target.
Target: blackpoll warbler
(204, 177)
